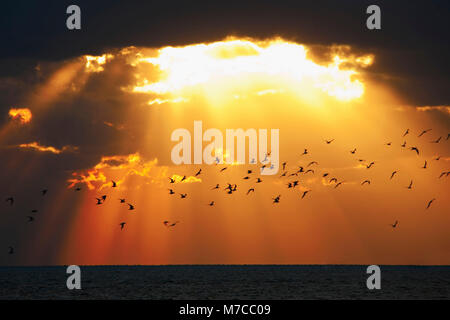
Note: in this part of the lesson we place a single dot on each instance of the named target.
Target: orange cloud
(36, 146)
(23, 115)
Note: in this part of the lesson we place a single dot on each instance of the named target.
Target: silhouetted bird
(11, 250)
(223, 169)
(250, 190)
(425, 165)
(406, 132)
(123, 200)
(404, 144)
(305, 152)
(423, 132)
(211, 203)
(410, 185)
(172, 180)
(183, 195)
(216, 187)
(333, 179)
(338, 184)
(122, 224)
(34, 211)
(99, 201)
(395, 224)
(329, 141)
(365, 181)
(309, 170)
(130, 206)
(370, 165)
(304, 193)
(445, 173)
(198, 172)
(114, 184)
(258, 180)
(284, 165)
(353, 151)
(437, 140)
(276, 199)
(325, 174)
(77, 189)
(182, 179)
(393, 174)
(30, 218)
(415, 149)
(44, 192)
(171, 191)
(104, 197)
(430, 202)
(311, 163)
(389, 143)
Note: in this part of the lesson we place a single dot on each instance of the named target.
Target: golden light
(23, 115)
(95, 63)
(234, 61)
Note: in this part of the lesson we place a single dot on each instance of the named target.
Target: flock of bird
(230, 188)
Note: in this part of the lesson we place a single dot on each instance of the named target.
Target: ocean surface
(271, 282)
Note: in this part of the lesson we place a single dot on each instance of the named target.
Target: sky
(81, 109)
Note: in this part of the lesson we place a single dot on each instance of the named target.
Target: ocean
(226, 282)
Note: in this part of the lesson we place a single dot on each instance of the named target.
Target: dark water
(225, 282)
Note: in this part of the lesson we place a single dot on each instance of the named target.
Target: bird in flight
(182, 179)
(406, 132)
(410, 185)
(171, 191)
(305, 152)
(284, 165)
(423, 132)
(430, 202)
(122, 224)
(338, 184)
(216, 187)
(211, 203)
(30, 218)
(44, 192)
(183, 195)
(415, 149)
(123, 200)
(172, 180)
(169, 224)
(250, 190)
(130, 206)
(370, 165)
(437, 140)
(276, 199)
(437, 158)
(395, 224)
(99, 201)
(309, 170)
(11, 250)
(389, 143)
(365, 181)
(104, 197)
(223, 169)
(425, 165)
(333, 179)
(77, 189)
(10, 200)
(325, 174)
(393, 174)
(114, 184)
(283, 174)
(258, 180)
(311, 163)
(353, 151)
(445, 173)
(329, 141)
(198, 172)
(304, 193)
(34, 211)
(404, 144)
(246, 178)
